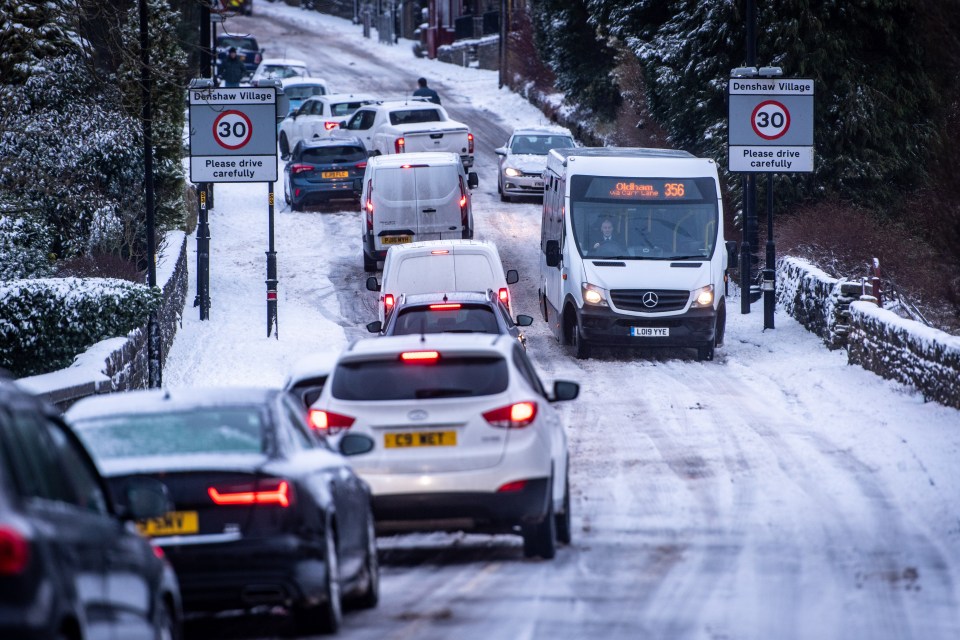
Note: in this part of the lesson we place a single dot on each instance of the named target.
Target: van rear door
(439, 191)
(394, 196)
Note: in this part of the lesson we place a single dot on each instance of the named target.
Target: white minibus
(632, 251)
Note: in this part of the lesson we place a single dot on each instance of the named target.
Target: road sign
(233, 134)
(771, 125)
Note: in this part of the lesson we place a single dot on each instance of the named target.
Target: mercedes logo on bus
(649, 299)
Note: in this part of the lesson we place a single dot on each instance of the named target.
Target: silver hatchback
(524, 157)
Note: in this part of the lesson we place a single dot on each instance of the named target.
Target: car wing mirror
(353, 444)
(564, 390)
(375, 327)
(500, 151)
(372, 284)
(553, 253)
(512, 276)
(524, 321)
(473, 180)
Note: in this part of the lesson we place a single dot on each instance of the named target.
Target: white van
(414, 196)
(632, 251)
(438, 266)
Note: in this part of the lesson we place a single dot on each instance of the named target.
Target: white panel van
(414, 196)
(442, 266)
(632, 251)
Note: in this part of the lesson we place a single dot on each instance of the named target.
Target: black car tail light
(266, 491)
(14, 551)
(512, 416)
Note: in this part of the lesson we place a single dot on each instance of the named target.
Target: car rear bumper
(247, 572)
(489, 512)
(601, 325)
(322, 190)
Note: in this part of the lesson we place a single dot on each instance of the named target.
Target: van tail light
(369, 206)
(300, 168)
(267, 491)
(504, 295)
(512, 416)
(14, 551)
(399, 145)
(469, 143)
(388, 302)
(330, 126)
(326, 420)
(464, 217)
(361, 165)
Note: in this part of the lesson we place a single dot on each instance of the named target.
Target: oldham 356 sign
(233, 134)
(771, 125)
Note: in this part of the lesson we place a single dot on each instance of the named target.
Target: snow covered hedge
(45, 323)
(876, 339)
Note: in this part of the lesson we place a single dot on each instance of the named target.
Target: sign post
(770, 131)
(233, 138)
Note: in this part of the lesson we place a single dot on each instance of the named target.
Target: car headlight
(510, 171)
(703, 297)
(594, 295)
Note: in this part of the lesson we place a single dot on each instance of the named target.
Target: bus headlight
(703, 297)
(592, 294)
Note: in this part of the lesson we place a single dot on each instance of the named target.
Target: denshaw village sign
(233, 134)
(771, 125)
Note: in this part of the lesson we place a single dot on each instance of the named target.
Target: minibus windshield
(644, 218)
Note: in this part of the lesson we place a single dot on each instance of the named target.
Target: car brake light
(388, 301)
(14, 551)
(245, 493)
(399, 145)
(330, 126)
(445, 307)
(158, 552)
(326, 420)
(470, 143)
(419, 356)
(300, 168)
(504, 295)
(439, 252)
(360, 165)
(512, 416)
(511, 487)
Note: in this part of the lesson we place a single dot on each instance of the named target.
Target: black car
(321, 170)
(70, 566)
(457, 312)
(248, 50)
(264, 511)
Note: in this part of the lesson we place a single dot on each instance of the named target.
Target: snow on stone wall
(876, 339)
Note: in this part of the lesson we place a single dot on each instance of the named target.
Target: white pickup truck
(408, 126)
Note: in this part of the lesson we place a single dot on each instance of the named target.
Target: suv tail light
(326, 420)
(300, 168)
(512, 416)
(388, 302)
(399, 145)
(504, 295)
(267, 491)
(470, 143)
(14, 551)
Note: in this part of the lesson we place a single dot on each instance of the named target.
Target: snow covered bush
(22, 243)
(45, 323)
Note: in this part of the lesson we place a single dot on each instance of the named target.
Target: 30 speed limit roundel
(232, 129)
(770, 120)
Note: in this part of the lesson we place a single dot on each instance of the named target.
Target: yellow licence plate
(333, 174)
(420, 439)
(395, 239)
(171, 524)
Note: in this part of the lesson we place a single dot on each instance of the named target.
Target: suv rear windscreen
(457, 319)
(339, 153)
(444, 377)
